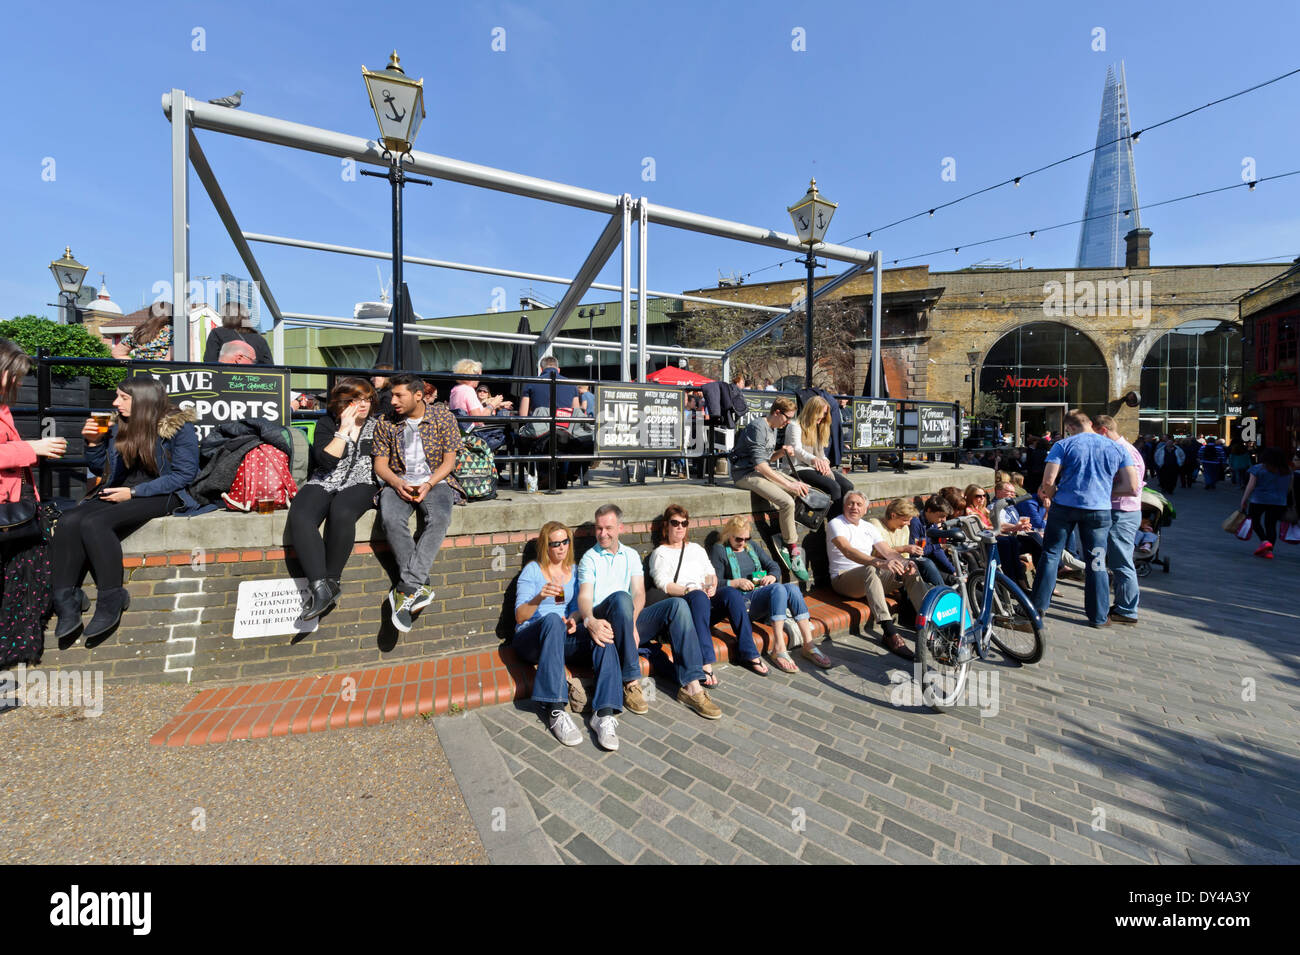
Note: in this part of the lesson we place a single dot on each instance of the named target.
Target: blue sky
(734, 118)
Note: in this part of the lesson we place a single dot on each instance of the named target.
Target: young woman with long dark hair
(148, 461)
(151, 340)
(24, 561)
(341, 488)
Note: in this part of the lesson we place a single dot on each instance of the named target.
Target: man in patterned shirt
(415, 453)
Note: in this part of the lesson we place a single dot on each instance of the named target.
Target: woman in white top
(682, 569)
(806, 439)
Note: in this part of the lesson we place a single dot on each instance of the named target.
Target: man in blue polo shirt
(1083, 472)
(611, 603)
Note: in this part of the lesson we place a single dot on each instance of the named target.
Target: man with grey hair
(611, 605)
(236, 353)
(538, 395)
(864, 564)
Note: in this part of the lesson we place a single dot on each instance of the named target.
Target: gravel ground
(78, 789)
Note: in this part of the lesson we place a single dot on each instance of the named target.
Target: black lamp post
(811, 216)
(398, 102)
(974, 358)
(69, 273)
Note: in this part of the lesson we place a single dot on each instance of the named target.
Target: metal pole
(811, 262)
(625, 301)
(972, 393)
(43, 396)
(875, 324)
(642, 298)
(399, 297)
(180, 117)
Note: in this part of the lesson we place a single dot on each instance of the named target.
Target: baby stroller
(1156, 509)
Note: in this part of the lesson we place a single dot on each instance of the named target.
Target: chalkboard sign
(221, 396)
(639, 421)
(875, 426)
(938, 425)
(757, 404)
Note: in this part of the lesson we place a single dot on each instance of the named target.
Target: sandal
(710, 679)
(757, 667)
(783, 662)
(815, 656)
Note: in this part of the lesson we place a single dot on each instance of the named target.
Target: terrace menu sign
(938, 424)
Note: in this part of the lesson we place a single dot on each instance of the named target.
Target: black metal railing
(517, 452)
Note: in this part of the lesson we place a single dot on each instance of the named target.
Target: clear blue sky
(734, 118)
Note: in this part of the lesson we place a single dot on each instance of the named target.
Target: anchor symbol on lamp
(395, 115)
(803, 223)
(821, 224)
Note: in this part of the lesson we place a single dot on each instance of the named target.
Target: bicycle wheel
(1017, 627)
(943, 679)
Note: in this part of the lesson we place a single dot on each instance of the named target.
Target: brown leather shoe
(634, 699)
(700, 704)
(893, 642)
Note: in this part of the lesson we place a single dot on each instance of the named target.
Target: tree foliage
(990, 406)
(835, 326)
(70, 341)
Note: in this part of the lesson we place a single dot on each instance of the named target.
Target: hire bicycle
(956, 624)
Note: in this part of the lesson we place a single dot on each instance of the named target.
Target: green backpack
(476, 470)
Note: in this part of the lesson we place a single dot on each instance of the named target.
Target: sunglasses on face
(741, 540)
(677, 522)
(561, 543)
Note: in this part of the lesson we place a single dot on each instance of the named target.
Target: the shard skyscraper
(1112, 183)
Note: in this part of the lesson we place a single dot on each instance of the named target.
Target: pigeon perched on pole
(232, 101)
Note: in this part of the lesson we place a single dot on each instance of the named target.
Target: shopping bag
(1243, 532)
(1233, 522)
(1291, 534)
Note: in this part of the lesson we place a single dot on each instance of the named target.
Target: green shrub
(71, 341)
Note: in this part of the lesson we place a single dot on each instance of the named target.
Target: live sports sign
(1049, 381)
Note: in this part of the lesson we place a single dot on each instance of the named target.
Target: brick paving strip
(1170, 742)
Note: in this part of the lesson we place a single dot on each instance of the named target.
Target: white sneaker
(604, 727)
(564, 729)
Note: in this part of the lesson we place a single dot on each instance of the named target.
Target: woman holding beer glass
(147, 460)
(341, 488)
(682, 569)
(24, 557)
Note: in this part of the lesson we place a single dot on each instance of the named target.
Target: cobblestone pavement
(1171, 742)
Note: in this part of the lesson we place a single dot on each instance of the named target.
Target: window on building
(1193, 370)
(1286, 341)
(1047, 363)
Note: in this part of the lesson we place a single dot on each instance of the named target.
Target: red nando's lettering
(1050, 381)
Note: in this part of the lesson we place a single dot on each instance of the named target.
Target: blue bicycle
(954, 625)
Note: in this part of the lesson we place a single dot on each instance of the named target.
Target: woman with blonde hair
(464, 397)
(739, 560)
(682, 569)
(547, 634)
(806, 440)
(977, 503)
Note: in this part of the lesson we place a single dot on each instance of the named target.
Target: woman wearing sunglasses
(682, 569)
(977, 503)
(547, 634)
(739, 559)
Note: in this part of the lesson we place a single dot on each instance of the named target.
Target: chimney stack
(1137, 249)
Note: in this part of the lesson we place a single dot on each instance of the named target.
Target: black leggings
(93, 531)
(344, 508)
(1265, 517)
(835, 484)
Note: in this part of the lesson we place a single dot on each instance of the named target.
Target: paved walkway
(1171, 742)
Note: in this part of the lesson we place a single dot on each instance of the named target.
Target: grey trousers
(415, 556)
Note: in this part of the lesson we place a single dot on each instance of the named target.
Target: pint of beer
(265, 505)
(102, 422)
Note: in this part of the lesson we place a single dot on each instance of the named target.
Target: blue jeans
(545, 642)
(1119, 558)
(671, 614)
(1093, 528)
(929, 572)
(729, 601)
(777, 601)
(1210, 471)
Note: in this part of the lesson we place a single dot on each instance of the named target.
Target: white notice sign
(268, 608)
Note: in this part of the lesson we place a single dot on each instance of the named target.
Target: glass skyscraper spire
(1112, 183)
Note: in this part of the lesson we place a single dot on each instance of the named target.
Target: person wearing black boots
(148, 461)
(341, 487)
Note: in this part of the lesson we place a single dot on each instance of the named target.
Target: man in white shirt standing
(863, 564)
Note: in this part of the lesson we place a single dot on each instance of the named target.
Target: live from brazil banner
(639, 420)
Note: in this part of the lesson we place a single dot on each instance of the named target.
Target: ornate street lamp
(811, 216)
(398, 102)
(69, 274)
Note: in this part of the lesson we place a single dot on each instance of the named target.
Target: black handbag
(19, 520)
(810, 509)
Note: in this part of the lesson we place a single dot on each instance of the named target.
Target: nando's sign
(1047, 381)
